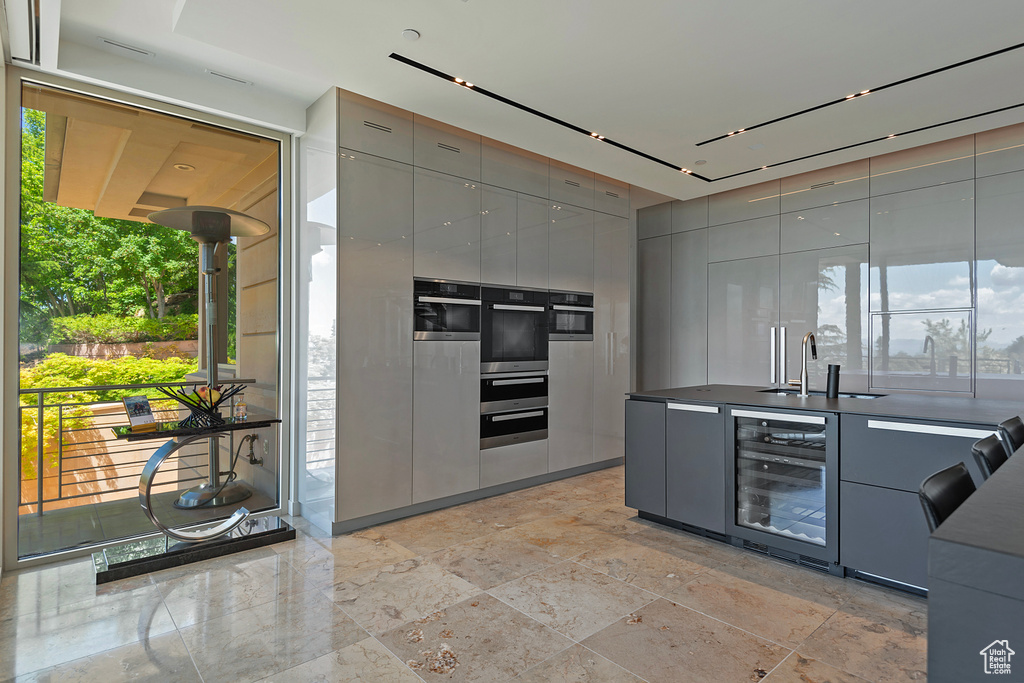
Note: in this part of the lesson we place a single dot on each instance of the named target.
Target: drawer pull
(788, 417)
(930, 429)
(376, 126)
(449, 148)
(507, 382)
(693, 407)
(518, 416)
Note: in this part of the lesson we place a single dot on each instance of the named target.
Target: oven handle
(509, 307)
(446, 300)
(582, 309)
(506, 382)
(517, 416)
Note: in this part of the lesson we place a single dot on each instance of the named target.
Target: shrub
(112, 329)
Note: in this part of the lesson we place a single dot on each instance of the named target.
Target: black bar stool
(1012, 431)
(989, 453)
(942, 493)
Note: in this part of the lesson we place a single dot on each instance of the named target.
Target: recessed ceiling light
(700, 162)
(185, 167)
(411, 34)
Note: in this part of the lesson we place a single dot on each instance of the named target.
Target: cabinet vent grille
(802, 560)
(377, 126)
(449, 148)
(611, 194)
(815, 187)
(573, 183)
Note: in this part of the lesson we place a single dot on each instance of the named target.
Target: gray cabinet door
(571, 248)
(532, 242)
(611, 196)
(498, 209)
(445, 148)
(374, 336)
(689, 341)
(743, 312)
(695, 465)
(570, 407)
(611, 334)
(447, 227)
(512, 463)
(373, 127)
(654, 301)
(445, 419)
(825, 292)
(570, 185)
(645, 456)
(513, 168)
(883, 532)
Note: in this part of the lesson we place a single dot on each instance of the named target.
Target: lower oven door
(512, 391)
(517, 426)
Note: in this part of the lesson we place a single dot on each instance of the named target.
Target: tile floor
(559, 582)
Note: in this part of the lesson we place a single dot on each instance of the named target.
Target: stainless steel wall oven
(571, 316)
(446, 311)
(514, 335)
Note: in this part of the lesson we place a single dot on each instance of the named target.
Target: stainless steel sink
(796, 392)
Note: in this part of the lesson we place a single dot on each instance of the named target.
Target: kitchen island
(828, 483)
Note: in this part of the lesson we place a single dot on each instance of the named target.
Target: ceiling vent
(116, 47)
(22, 30)
(230, 79)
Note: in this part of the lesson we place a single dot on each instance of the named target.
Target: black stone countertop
(915, 406)
(982, 543)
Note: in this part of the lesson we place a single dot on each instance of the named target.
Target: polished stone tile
(762, 603)
(154, 660)
(366, 660)
(325, 562)
(34, 641)
(563, 535)
(799, 669)
(878, 634)
(39, 589)
(269, 638)
(433, 530)
(493, 560)
(668, 642)
(577, 664)
(642, 566)
(215, 588)
(489, 640)
(504, 512)
(572, 599)
(382, 599)
(685, 545)
(612, 516)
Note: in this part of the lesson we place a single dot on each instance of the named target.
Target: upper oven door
(571, 317)
(514, 335)
(445, 311)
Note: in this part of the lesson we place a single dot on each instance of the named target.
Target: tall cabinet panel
(570, 412)
(694, 465)
(374, 336)
(498, 239)
(689, 336)
(447, 221)
(653, 300)
(532, 242)
(373, 127)
(571, 248)
(611, 334)
(743, 309)
(446, 388)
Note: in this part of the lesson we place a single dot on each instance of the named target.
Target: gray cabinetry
(653, 300)
(689, 308)
(446, 391)
(498, 236)
(532, 242)
(373, 127)
(743, 316)
(571, 248)
(611, 196)
(447, 227)
(447, 149)
(611, 334)
(882, 463)
(374, 337)
(570, 185)
(570, 411)
(514, 169)
(645, 456)
(512, 463)
(695, 465)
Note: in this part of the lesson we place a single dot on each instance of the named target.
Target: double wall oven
(513, 366)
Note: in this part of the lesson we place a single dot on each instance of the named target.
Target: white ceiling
(656, 75)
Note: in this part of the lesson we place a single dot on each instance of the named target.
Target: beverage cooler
(784, 481)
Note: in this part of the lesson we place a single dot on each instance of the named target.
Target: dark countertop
(981, 544)
(944, 408)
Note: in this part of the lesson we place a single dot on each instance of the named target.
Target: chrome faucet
(803, 362)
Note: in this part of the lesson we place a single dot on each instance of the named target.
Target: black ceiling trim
(870, 91)
(548, 117)
(626, 148)
(868, 142)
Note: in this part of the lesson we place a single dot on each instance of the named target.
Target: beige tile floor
(555, 583)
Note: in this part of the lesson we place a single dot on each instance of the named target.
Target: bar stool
(1012, 431)
(942, 493)
(989, 453)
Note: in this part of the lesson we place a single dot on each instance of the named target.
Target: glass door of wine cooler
(784, 474)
